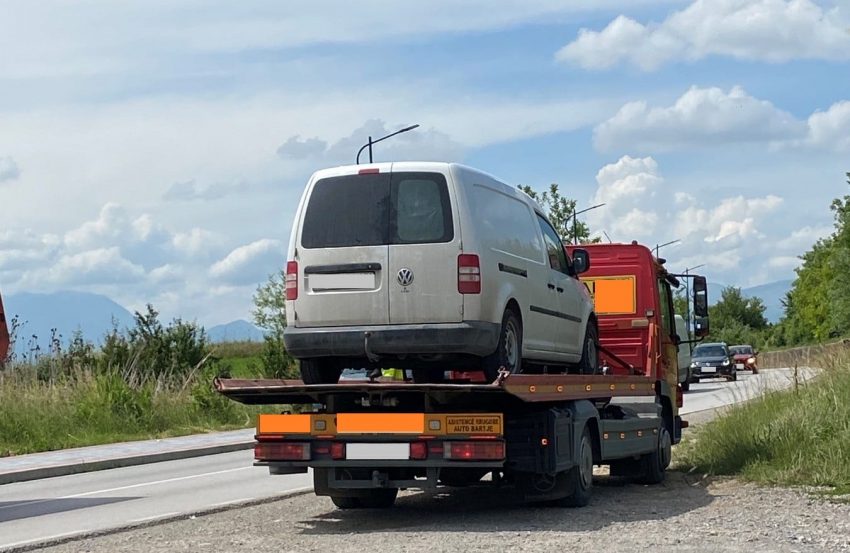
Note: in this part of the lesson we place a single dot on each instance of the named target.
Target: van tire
(320, 370)
(508, 352)
(589, 363)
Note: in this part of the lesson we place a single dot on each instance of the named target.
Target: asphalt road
(81, 503)
(47, 509)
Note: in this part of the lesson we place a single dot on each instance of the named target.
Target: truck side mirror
(700, 297)
(581, 261)
(701, 328)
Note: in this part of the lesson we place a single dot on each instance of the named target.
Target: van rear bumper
(473, 338)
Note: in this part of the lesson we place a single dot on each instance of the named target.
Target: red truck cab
(633, 302)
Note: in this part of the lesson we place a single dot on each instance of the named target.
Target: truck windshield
(709, 351)
(378, 209)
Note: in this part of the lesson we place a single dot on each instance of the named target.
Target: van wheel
(320, 370)
(589, 363)
(508, 353)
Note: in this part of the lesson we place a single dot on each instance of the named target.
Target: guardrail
(802, 356)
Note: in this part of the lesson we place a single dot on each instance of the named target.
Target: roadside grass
(795, 437)
(90, 405)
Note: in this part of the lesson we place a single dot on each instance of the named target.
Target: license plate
(347, 281)
(739, 366)
(708, 370)
(377, 452)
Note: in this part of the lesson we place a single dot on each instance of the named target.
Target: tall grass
(799, 436)
(150, 381)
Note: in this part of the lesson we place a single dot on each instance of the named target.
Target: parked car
(712, 360)
(419, 266)
(745, 358)
(684, 357)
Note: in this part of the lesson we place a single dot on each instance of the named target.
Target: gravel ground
(680, 515)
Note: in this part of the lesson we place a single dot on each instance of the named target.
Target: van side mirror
(700, 297)
(581, 261)
(701, 328)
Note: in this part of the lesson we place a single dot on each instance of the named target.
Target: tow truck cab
(633, 302)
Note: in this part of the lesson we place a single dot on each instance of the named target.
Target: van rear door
(424, 246)
(343, 253)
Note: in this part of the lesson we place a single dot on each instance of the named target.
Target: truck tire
(320, 371)
(581, 475)
(734, 377)
(686, 386)
(655, 463)
(345, 502)
(382, 498)
(508, 352)
(589, 363)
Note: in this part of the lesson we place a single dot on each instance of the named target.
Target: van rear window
(378, 209)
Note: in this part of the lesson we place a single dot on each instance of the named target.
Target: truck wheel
(589, 363)
(345, 502)
(686, 386)
(581, 475)
(508, 353)
(320, 371)
(382, 498)
(734, 377)
(655, 464)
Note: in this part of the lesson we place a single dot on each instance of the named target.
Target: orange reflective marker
(283, 424)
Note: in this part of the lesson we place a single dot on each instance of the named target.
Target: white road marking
(120, 488)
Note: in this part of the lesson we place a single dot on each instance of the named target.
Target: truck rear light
(474, 451)
(282, 451)
(418, 450)
(468, 274)
(680, 396)
(292, 280)
(337, 450)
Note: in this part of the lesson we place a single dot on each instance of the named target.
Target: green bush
(794, 437)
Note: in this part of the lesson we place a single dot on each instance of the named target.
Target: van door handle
(551, 286)
(560, 290)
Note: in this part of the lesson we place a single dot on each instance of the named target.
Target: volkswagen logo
(405, 277)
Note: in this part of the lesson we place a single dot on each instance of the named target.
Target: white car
(431, 267)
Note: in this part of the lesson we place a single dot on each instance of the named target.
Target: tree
(560, 212)
(680, 303)
(737, 319)
(270, 315)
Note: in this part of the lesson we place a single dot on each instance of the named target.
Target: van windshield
(378, 209)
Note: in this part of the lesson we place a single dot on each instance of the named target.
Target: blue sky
(155, 151)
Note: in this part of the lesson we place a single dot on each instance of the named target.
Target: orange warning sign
(613, 295)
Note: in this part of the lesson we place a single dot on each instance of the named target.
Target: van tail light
(282, 451)
(468, 274)
(292, 280)
(474, 451)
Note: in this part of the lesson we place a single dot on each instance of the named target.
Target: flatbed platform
(513, 389)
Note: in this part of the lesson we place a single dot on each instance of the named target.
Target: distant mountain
(67, 312)
(772, 294)
(236, 331)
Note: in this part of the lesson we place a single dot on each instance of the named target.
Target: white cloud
(728, 234)
(830, 129)
(101, 266)
(701, 116)
(251, 263)
(761, 30)
(8, 169)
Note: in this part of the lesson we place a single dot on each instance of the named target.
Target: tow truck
(536, 434)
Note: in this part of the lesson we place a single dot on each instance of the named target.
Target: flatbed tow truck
(537, 434)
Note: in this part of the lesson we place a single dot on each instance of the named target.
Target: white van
(430, 267)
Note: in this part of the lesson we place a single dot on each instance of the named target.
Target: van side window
(555, 253)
